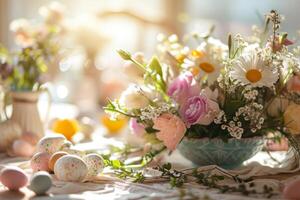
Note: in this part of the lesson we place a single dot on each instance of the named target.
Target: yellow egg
(67, 127)
(54, 158)
(113, 126)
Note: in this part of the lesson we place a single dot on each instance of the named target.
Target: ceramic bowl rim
(220, 139)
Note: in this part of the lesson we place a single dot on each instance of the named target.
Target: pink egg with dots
(39, 162)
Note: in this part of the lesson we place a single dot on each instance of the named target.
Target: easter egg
(291, 190)
(40, 182)
(51, 143)
(76, 152)
(113, 126)
(13, 178)
(22, 148)
(67, 127)
(39, 162)
(70, 168)
(54, 158)
(94, 163)
(31, 138)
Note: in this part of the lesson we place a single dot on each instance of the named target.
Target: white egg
(76, 152)
(70, 168)
(51, 143)
(40, 182)
(94, 163)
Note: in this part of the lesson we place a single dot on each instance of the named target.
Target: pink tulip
(183, 87)
(136, 128)
(199, 110)
(194, 109)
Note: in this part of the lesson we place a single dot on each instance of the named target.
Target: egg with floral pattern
(70, 168)
(51, 143)
(39, 162)
(94, 163)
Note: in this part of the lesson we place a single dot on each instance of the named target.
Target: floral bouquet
(217, 101)
(22, 70)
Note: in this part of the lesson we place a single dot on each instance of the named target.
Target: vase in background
(228, 155)
(25, 112)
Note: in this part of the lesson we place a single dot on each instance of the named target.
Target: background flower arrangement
(239, 90)
(22, 70)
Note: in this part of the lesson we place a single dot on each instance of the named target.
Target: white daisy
(251, 70)
(206, 61)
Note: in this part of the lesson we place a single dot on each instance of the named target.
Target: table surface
(101, 189)
(104, 188)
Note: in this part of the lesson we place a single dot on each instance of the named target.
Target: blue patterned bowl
(228, 155)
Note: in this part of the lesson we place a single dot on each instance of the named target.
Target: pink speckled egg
(94, 163)
(13, 177)
(22, 148)
(70, 168)
(51, 143)
(292, 190)
(39, 162)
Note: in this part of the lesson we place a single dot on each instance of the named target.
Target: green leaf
(229, 44)
(155, 66)
(167, 166)
(116, 164)
(150, 130)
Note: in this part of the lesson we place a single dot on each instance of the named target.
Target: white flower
(136, 97)
(251, 70)
(207, 60)
(23, 32)
(53, 13)
(20, 25)
(211, 94)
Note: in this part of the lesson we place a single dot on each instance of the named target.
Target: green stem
(121, 112)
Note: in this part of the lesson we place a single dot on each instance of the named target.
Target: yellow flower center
(207, 67)
(253, 75)
(180, 58)
(195, 70)
(197, 54)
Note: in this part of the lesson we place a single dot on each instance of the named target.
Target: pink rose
(183, 87)
(136, 128)
(199, 110)
(171, 130)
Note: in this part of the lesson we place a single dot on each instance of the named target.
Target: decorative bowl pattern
(217, 152)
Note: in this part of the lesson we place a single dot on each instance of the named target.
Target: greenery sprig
(245, 187)
(133, 172)
(177, 178)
